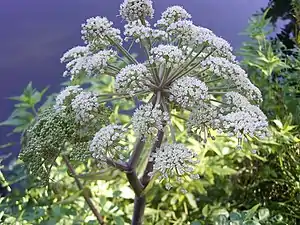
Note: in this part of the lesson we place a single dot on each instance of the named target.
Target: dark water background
(35, 33)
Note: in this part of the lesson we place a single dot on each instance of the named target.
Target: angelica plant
(189, 72)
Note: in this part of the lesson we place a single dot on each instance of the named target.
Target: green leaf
(119, 220)
(278, 124)
(205, 211)
(251, 212)
(191, 199)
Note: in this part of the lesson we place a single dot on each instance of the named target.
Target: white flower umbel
(65, 97)
(174, 161)
(132, 79)
(131, 10)
(168, 55)
(184, 30)
(235, 101)
(188, 91)
(172, 15)
(148, 119)
(186, 68)
(249, 121)
(106, 144)
(99, 33)
(85, 106)
(139, 32)
(234, 74)
(74, 53)
(204, 117)
(91, 65)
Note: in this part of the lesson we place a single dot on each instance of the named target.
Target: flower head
(140, 32)
(132, 10)
(188, 91)
(174, 161)
(248, 121)
(65, 97)
(131, 79)
(86, 107)
(147, 119)
(171, 15)
(99, 33)
(91, 65)
(74, 53)
(106, 143)
(168, 55)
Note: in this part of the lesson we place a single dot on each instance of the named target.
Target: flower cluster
(140, 32)
(99, 33)
(172, 15)
(85, 106)
(202, 118)
(44, 140)
(74, 53)
(168, 55)
(232, 72)
(187, 68)
(132, 10)
(65, 97)
(147, 119)
(132, 79)
(106, 143)
(188, 91)
(90, 65)
(174, 160)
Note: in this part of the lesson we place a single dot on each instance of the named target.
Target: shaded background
(35, 33)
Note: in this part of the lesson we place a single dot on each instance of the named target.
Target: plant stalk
(138, 211)
(84, 193)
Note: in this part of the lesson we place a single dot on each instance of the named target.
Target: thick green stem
(138, 211)
(149, 168)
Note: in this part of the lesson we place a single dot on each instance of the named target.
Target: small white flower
(91, 65)
(248, 121)
(131, 10)
(169, 55)
(106, 143)
(171, 15)
(205, 116)
(132, 78)
(217, 44)
(235, 101)
(174, 161)
(74, 53)
(148, 119)
(183, 30)
(65, 97)
(139, 32)
(188, 91)
(234, 74)
(98, 30)
(85, 106)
